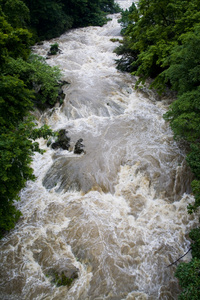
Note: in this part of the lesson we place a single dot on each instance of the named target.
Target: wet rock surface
(62, 141)
(78, 149)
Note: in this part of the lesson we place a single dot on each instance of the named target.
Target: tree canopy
(153, 29)
(49, 18)
(21, 74)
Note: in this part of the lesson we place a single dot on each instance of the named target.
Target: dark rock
(61, 94)
(62, 141)
(49, 142)
(78, 149)
(63, 276)
(63, 82)
(49, 53)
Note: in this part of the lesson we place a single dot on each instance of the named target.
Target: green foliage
(17, 133)
(54, 49)
(189, 279)
(50, 18)
(153, 30)
(161, 41)
(85, 12)
(184, 62)
(193, 159)
(128, 57)
(9, 215)
(62, 280)
(195, 236)
(126, 17)
(189, 273)
(38, 76)
(184, 113)
(16, 12)
(23, 82)
(45, 81)
(27, 81)
(59, 279)
(184, 116)
(13, 42)
(15, 101)
(47, 18)
(16, 151)
(196, 192)
(109, 6)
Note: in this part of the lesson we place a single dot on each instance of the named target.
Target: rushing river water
(117, 213)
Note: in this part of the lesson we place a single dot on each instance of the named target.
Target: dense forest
(26, 82)
(161, 40)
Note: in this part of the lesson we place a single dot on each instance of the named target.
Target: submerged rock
(71, 272)
(65, 276)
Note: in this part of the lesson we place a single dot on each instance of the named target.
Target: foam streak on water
(118, 212)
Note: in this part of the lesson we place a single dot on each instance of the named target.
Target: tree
(188, 273)
(161, 39)
(27, 81)
(50, 18)
(153, 31)
(18, 130)
(13, 42)
(184, 113)
(184, 116)
(47, 18)
(189, 279)
(183, 70)
(38, 76)
(16, 12)
(17, 133)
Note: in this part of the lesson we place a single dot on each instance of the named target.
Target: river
(116, 213)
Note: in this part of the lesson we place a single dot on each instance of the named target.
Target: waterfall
(117, 212)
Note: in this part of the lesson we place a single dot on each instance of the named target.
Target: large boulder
(78, 149)
(61, 94)
(62, 141)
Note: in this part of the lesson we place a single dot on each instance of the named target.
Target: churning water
(118, 211)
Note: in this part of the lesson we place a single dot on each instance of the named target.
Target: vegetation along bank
(27, 82)
(161, 41)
